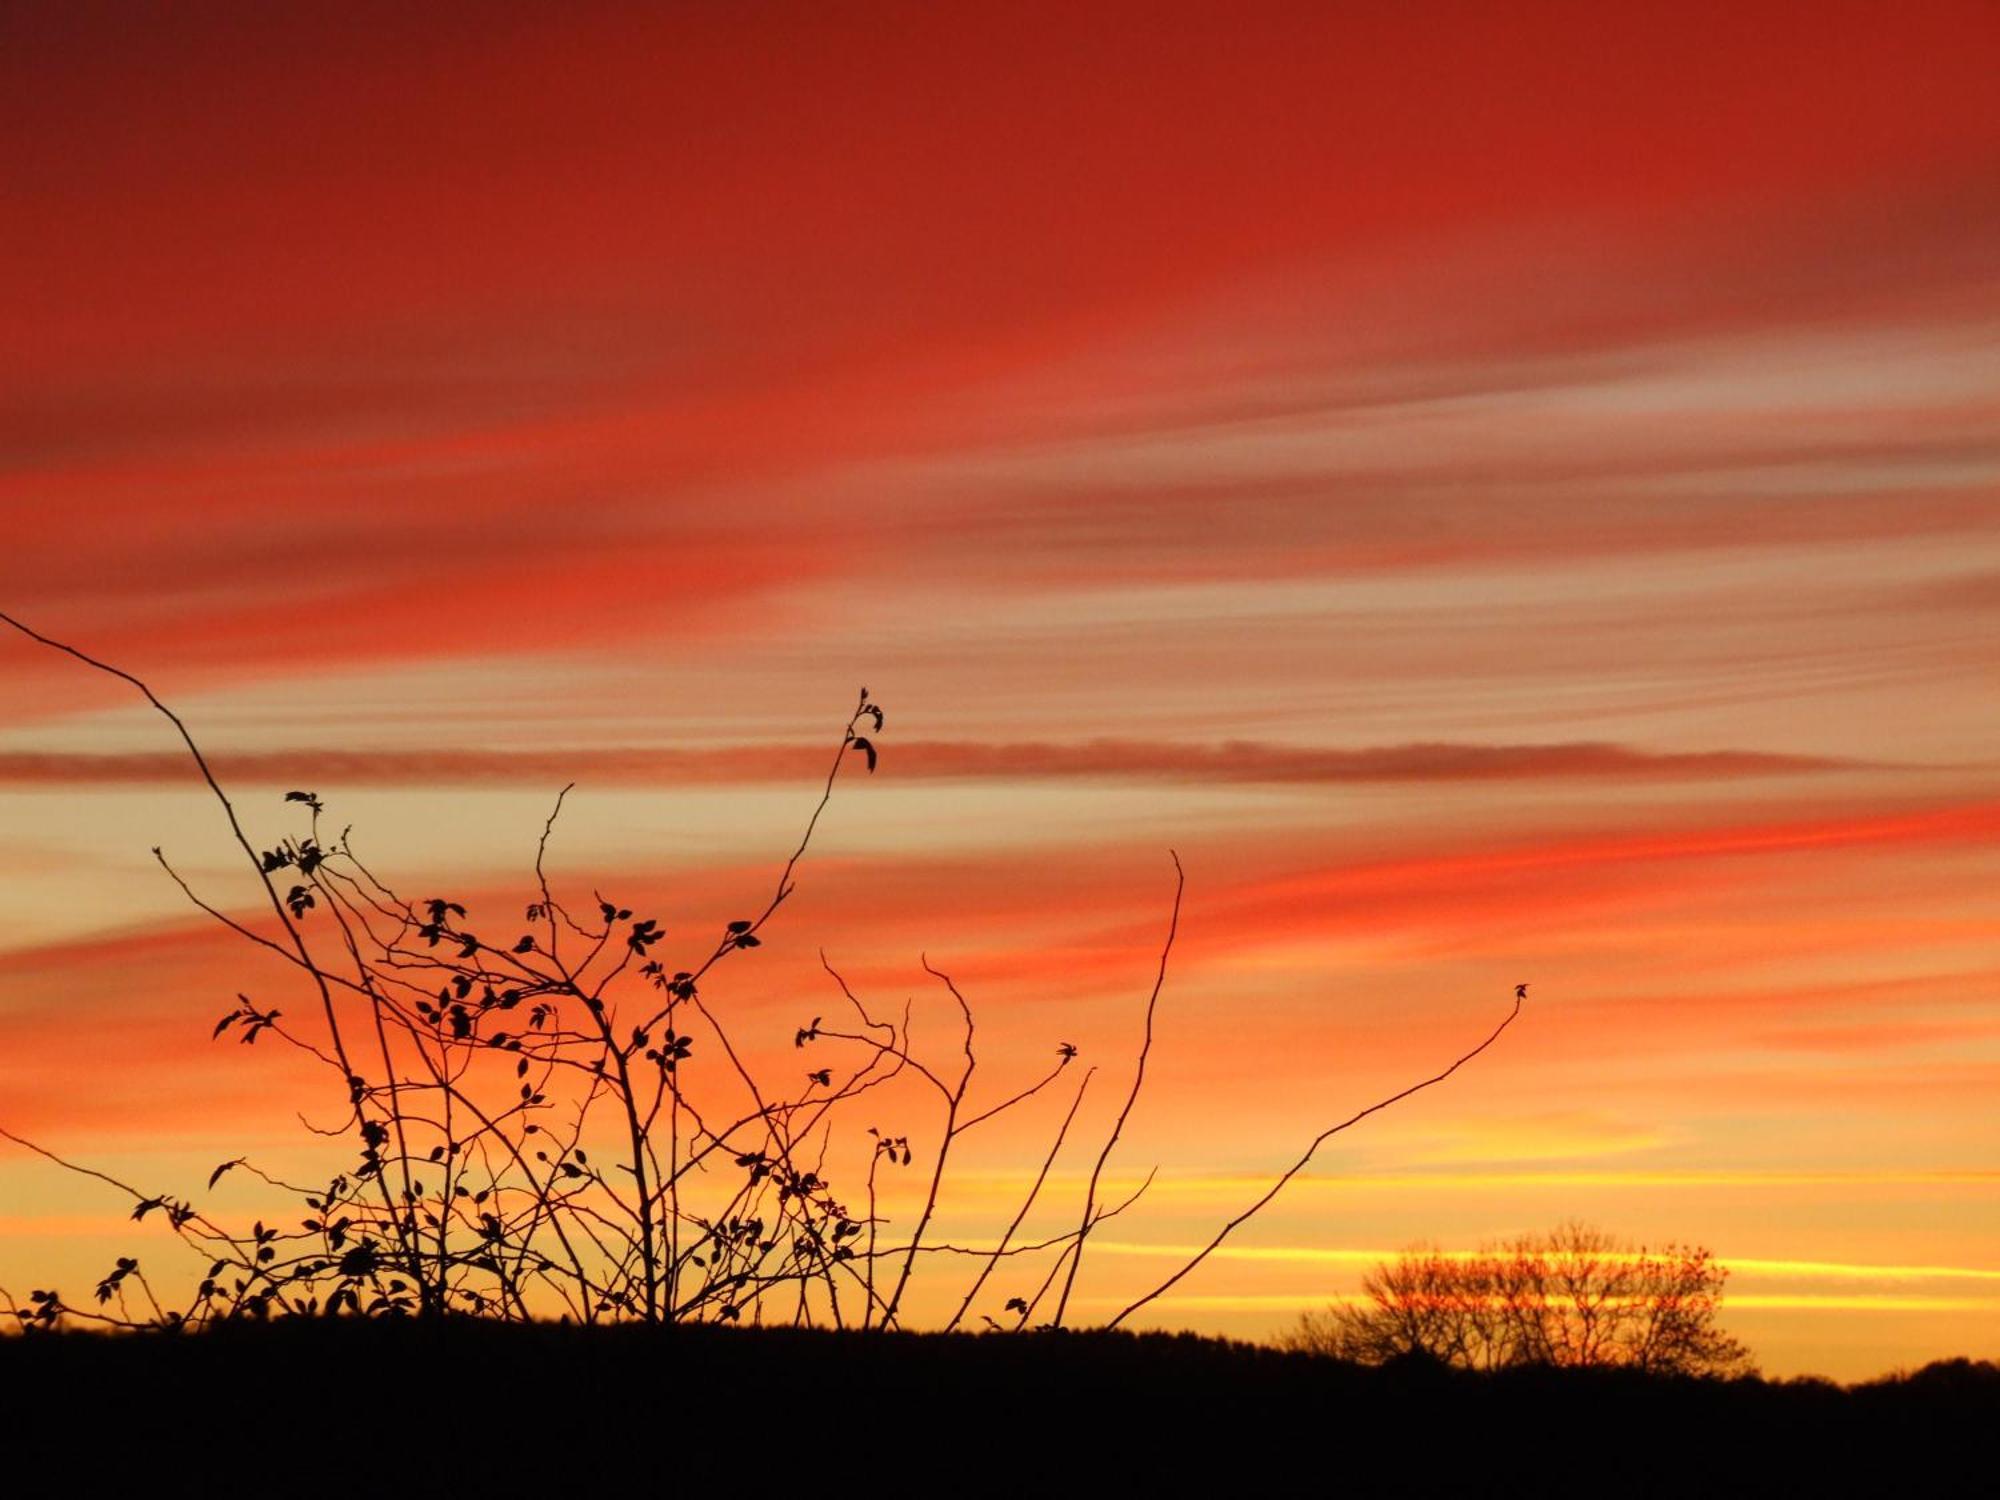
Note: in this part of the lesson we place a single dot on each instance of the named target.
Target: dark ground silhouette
(374, 1408)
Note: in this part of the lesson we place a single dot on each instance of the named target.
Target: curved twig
(1138, 1082)
(1300, 1165)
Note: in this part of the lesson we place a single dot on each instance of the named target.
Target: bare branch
(1305, 1159)
(1138, 1082)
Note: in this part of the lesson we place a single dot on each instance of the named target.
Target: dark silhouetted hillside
(374, 1408)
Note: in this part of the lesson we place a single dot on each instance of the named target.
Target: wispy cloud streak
(1229, 761)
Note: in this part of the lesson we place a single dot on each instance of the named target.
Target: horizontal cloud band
(1237, 761)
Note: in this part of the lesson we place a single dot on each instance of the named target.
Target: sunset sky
(1505, 492)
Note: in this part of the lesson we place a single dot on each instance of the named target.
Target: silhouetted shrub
(521, 1139)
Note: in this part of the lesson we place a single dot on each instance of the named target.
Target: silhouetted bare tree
(1574, 1297)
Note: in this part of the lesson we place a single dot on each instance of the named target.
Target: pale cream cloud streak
(1298, 1301)
(1791, 1270)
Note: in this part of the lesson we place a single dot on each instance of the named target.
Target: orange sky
(1507, 492)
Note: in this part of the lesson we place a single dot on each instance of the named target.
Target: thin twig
(1300, 1165)
(1138, 1081)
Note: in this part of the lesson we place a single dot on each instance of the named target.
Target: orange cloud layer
(1014, 930)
